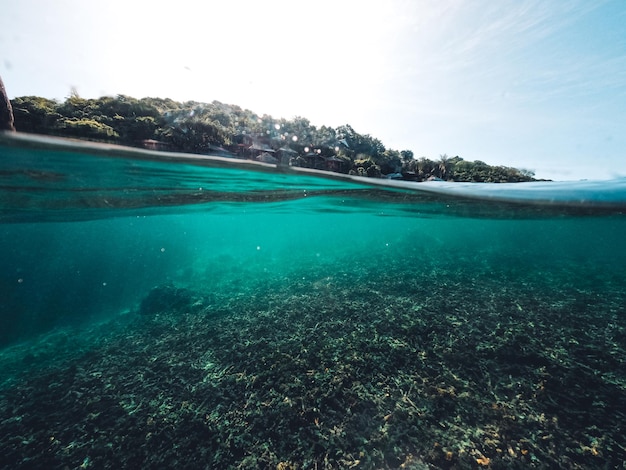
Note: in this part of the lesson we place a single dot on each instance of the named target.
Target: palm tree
(425, 167)
(443, 166)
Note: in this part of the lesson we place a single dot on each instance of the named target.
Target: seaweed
(459, 371)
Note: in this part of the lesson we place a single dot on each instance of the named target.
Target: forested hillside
(218, 128)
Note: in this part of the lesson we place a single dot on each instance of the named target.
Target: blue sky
(537, 84)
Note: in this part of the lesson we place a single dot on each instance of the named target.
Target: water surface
(262, 316)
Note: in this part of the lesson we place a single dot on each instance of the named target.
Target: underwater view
(164, 310)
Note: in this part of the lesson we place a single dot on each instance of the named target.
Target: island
(228, 130)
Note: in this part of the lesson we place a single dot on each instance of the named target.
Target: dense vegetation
(216, 127)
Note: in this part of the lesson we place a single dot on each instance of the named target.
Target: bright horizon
(534, 84)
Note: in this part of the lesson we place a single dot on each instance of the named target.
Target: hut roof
(261, 147)
(267, 158)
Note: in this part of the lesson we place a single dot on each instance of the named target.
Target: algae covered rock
(168, 298)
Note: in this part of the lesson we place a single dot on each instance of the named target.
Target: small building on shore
(151, 144)
(266, 158)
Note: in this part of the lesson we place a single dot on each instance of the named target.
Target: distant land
(228, 130)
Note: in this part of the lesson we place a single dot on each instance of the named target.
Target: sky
(533, 84)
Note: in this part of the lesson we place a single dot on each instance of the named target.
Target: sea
(163, 310)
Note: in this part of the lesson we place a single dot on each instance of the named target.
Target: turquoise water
(87, 232)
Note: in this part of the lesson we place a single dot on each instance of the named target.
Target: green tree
(358, 144)
(302, 129)
(36, 115)
(406, 155)
(192, 126)
(87, 129)
(389, 162)
(425, 168)
(195, 136)
(443, 166)
(74, 107)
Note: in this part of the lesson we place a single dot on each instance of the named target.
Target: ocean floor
(449, 369)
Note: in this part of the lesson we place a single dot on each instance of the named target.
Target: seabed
(443, 368)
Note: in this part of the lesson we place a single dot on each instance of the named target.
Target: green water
(533, 291)
(86, 232)
(54, 273)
